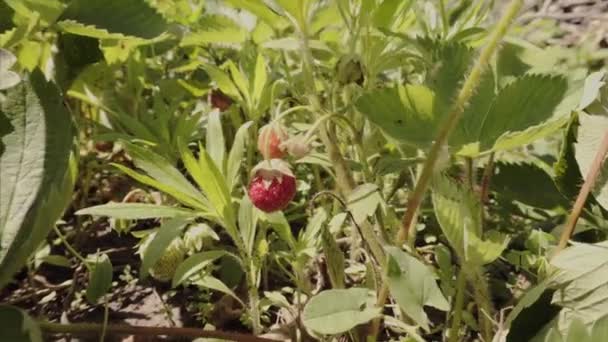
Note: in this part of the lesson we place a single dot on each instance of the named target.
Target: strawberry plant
(299, 170)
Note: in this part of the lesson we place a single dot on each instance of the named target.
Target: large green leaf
(413, 286)
(525, 102)
(124, 17)
(407, 113)
(333, 312)
(507, 182)
(36, 171)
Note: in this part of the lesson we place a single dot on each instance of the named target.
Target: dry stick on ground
(446, 128)
(592, 175)
(96, 329)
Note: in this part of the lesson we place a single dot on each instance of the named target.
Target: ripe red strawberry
(270, 140)
(273, 185)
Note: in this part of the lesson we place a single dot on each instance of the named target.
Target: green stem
(481, 294)
(454, 116)
(461, 283)
(444, 18)
(254, 301)
(69, 247)
(344, 177)
(446, 128)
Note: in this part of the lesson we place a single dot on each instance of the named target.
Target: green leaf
(413, 286)
(248, 220)
(213, 283)
(261, 11)
(125, 17)
(100, 277)
(37, 169)
(18, 326)
(6, 17)
(235, 157)
(513, 140)
(363, 201)
(223, 81)
(334, 259)
(8, 78)
(213, 184)
(136, 211)
(240, 81)
(409, 113)
(216, 145)
(260, 80)
(589, 137)
(167, 232)
(333, 312)
(199, 203)
(591, 91)
(527, 101)
(281, 226)
(507, 182)
(216, 29)
(581, 281)
(450, 62)
(458, 212)
(194, 264)
(160, 169)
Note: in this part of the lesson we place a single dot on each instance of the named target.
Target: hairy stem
(344, 176)
(446, 128)
(461, 283)
(579, 204)
(454, 116)
(481, 294)
(111, 329)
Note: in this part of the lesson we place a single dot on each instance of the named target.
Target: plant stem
(461, 283)
(344, 177)
(69, 247)
(481, 295)
(579, 204)
(446, 128)
(111, 329)
(254, 299)
(454, 116)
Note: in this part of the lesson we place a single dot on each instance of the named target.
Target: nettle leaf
(512, 180)
(409, 113)
(100, 277)
(458, 211)
(413, 286)
(37, 169)
(450, 62)
(217, 29)
(527, 101)
(100, 17)
(333, 312)
(18, 326)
